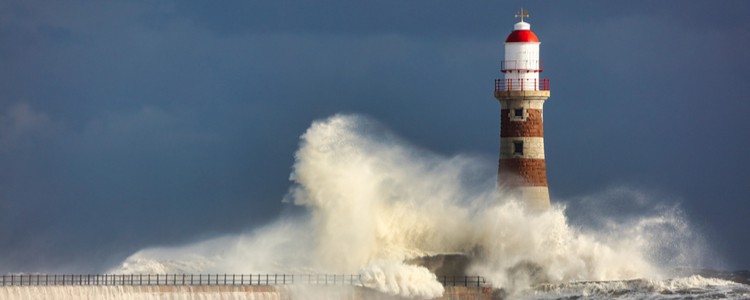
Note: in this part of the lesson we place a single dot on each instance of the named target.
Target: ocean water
(691, 287)
(370, 202)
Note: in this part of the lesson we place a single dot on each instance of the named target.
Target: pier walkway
(208, 279)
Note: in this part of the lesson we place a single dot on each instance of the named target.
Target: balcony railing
(208, 279)
(506, 85)
(521, 66)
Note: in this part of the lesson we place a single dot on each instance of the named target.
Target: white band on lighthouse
(536, 197)
(533, 147)
(529, 104)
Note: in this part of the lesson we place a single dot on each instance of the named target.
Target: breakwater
(219, 293)
(218, 287)
(210, 279)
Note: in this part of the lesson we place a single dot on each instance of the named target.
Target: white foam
(398, 279)
(678, 288)
(371, 198)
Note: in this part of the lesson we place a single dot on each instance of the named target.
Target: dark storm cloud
(127, 124)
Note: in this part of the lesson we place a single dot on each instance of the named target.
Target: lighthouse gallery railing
(505, 85)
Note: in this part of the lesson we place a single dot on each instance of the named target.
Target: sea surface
(705, 285)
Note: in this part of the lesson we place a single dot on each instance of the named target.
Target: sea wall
(291, 292)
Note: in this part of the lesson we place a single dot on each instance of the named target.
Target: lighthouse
(522, 168)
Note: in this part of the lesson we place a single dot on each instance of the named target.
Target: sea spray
(372, 198)
(398, 279)
(522, 249)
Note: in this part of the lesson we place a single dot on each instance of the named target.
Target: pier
(209, 279)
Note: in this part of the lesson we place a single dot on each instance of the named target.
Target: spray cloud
(373, 201)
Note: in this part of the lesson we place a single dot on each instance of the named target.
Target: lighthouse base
(535, 197)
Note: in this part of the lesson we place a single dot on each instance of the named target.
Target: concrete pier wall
(291, 292)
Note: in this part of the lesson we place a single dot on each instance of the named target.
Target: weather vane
(522, 13)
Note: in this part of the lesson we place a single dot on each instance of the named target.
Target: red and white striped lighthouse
(522, 93)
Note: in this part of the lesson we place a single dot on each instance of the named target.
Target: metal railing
(477, 281)
(146, 279)
(206, 279)
(521, 66)
(505, 85)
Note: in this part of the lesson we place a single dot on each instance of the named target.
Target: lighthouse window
(518, 147)
(518, 113)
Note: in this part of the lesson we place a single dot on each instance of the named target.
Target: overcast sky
(126, 124)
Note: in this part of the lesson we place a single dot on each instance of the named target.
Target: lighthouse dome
(522, 34)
